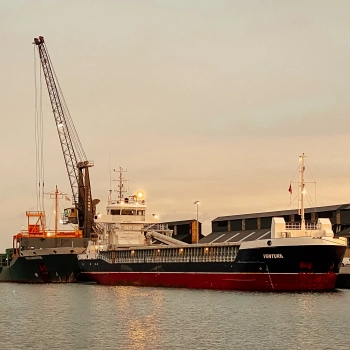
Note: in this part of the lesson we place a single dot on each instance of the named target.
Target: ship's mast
(110, 181)
(56, 195)
(56, 211)
(302, 190)
(121, 187)
(120, 183)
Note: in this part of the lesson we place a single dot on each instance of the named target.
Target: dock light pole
(197, 203)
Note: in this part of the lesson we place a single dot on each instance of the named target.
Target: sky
(199, 100)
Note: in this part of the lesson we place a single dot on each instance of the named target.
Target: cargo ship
(39, 255)
(299, 256)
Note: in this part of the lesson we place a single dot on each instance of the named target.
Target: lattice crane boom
(74, 156)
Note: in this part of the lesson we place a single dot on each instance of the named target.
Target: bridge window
(128, 212)
(115, 212)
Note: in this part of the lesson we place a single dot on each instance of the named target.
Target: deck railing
(297, 226)
(50, 234)
(179, 255)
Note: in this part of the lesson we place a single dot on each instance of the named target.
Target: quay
(343, 280)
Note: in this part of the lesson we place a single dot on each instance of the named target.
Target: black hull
(286, 268)
(44, 260)
(59, 268)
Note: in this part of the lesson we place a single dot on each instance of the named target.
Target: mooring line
(268, 272)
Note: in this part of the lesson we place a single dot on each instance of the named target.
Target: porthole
(269, 242)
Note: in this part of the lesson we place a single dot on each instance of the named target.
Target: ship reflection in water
(149, 308)
(79, 316)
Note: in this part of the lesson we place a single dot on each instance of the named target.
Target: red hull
(223, 281)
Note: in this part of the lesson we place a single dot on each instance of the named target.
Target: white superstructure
(126, 222)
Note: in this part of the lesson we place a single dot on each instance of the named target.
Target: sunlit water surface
(77, 316)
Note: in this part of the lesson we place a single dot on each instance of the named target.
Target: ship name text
(33, 257)
(273, 256)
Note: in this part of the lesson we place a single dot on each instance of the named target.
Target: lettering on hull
(273, 256)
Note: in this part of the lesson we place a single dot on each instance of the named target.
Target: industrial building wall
(337, 217)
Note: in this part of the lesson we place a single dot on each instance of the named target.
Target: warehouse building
(239, 228)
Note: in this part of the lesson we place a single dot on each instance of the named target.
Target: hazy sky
(199, 100)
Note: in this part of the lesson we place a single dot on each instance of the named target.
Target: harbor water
(87, 316)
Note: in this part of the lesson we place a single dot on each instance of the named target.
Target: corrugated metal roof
(181, 236)
(236, 236)
(211, 237)
(283, 212)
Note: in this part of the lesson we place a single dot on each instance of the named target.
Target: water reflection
(145, 308)
(102, 317)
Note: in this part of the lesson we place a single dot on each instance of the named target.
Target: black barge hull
(60, 268)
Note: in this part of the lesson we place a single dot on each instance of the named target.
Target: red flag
(290, 189)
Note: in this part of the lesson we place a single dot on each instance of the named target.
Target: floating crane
(74, 156)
